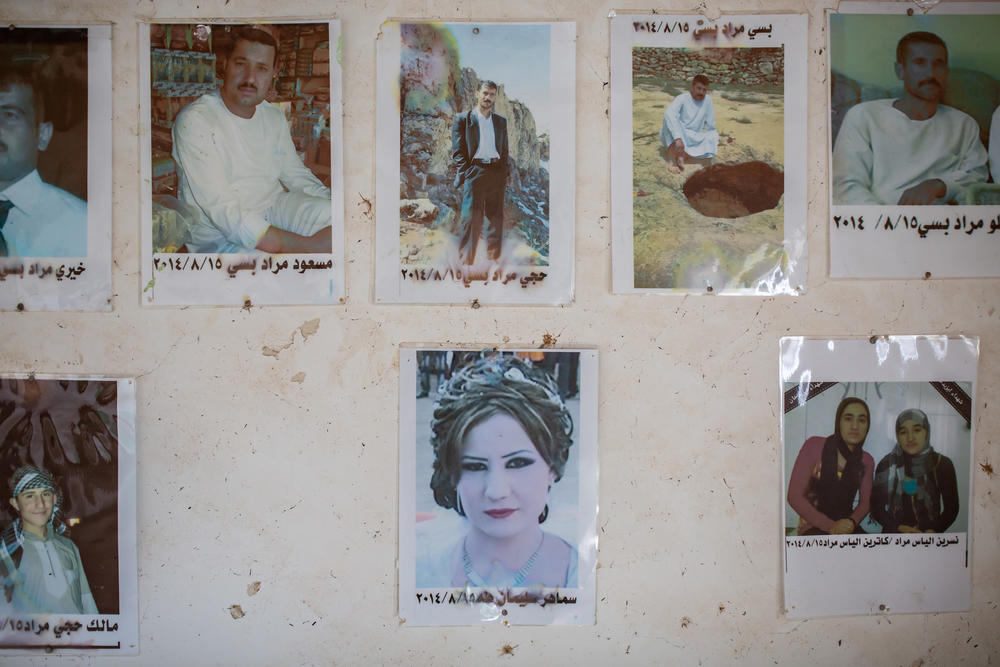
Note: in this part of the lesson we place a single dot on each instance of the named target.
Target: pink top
(803, 494)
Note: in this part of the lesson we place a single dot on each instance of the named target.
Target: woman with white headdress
(915, 488)
(40, 568)
(501, 439)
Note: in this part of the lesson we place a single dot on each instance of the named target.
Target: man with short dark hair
(479, 149)
(238, 167)
(912, 150)
(37, 219)
(40, 568)
(688, 129)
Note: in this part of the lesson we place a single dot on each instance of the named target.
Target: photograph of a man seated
(688, 130)
(40, 568)
(911, 150)
(238, 167)
(37, 219)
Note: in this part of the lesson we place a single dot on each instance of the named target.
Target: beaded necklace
(519, 576)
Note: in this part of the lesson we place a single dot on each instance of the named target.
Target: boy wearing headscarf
(40, 568)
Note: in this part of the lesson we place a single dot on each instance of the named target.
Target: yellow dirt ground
(675, 246)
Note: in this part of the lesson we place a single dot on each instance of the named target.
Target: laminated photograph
(242, 173)
(877, 470)
(497, 486)
(475, 135)
(914, 140)
(708, 153)
(68, 572)
(55, 167)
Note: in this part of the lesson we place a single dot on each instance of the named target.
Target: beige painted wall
(245, 475)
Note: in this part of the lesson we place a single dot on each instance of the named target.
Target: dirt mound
(735, 190)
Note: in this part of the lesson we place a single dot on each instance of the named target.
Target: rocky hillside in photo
(433, 89)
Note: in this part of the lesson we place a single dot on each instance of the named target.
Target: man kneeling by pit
(689, 126)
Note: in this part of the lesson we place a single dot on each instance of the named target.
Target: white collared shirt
(487, 138)
(45, 221)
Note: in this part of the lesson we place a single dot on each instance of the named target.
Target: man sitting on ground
(689, 126)
(238, 166)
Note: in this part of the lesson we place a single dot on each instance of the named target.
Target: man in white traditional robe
(995, 145)
(689, 126)
(40, 568)
(912, 150)
(237, 164)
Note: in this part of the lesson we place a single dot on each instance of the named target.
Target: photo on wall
(708, 153)
(913, 163)
(877, 475)
(497, 486)
(55, 173)
(67, 526)
(474, 139)
(244, 197)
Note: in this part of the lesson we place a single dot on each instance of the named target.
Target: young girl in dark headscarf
(915, 487)
(830, 472)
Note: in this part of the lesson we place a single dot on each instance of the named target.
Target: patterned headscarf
(908, 475)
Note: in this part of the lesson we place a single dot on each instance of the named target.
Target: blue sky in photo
(515, 56)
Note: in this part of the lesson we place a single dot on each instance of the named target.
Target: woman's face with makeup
(504, 482)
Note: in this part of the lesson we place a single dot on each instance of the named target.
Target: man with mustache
(912, 150)
(238, 168)
(479, 149)
(37, 219)
(688, 129)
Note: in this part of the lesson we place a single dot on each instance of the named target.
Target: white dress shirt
(487, 138)
(45, 221)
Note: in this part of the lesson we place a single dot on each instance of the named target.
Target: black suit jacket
(465, 142)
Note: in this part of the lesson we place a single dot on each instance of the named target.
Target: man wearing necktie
(479, 149)
(36, 219)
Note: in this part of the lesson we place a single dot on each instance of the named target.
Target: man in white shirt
(912, 150)
(479, 149)
(688, 129)
(36, 219)
(994, 151)
(238, 168)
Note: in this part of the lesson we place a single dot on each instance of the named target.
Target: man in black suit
(479, 149)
